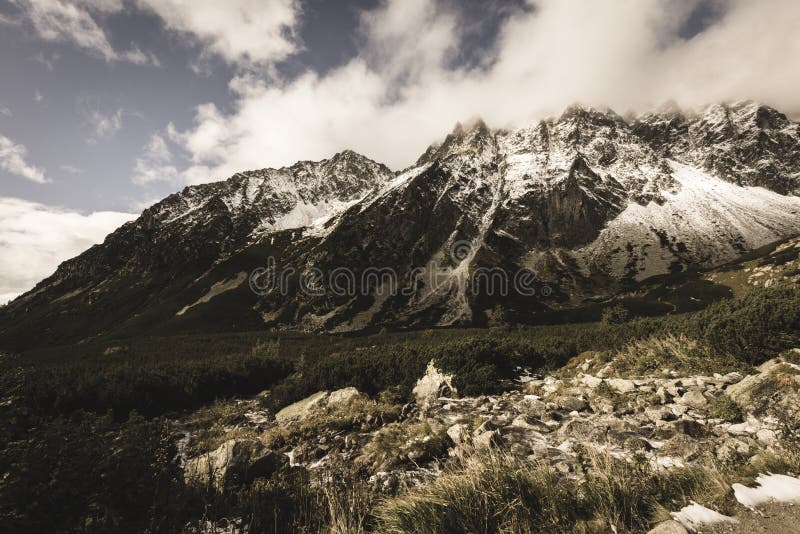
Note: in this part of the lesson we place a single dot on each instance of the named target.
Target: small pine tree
(616, 314)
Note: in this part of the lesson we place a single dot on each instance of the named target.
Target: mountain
(530, 224)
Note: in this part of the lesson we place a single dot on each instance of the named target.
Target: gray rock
(674, 390)
(571, 404)
(591, 381)
(301, 409)
(680, 446)
(488, 439)
(621, 385)
(731, 449)
(678, 410)
(343, 397)
(234, 462)
(767, 437)
(745, 391)
(659, 413)
(690, 428)
(526, 421)
(636, 443)
(432, 385)
(694, 398)
(669, 527)
(458, 433)
(577, 428)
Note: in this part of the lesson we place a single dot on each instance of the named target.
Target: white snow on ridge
(714, 220)
(311, 215)
(215, 290)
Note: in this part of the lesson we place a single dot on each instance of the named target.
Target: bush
(616, 314)
(87, 473)
(753, 328)
(723, 407)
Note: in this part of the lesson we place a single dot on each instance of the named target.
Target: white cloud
(76, 22)
(38, 97)
(239, 31)
(103, 125)
(155, 165)
(5, 111)
(48, 62)
(402, 90)
(71, 169)
(35, 239)
(13, 160)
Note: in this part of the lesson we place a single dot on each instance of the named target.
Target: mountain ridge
(587, 201)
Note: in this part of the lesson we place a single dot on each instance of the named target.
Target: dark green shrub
(723, 407)
(616, 314)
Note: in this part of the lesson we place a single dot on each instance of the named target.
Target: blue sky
(109, 105)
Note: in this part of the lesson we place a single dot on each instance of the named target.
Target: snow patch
(695, 516)
(217, 289)
(780, 488)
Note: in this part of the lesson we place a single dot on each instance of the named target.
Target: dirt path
(774, 518)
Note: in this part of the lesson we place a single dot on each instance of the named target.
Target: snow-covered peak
(266, 198)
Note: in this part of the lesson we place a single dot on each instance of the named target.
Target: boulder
(343, 397)
(731, 449)
(533, 406)
(621, 385)
(487, 439)
(748, 427)
(659, 413)
(767, 437)
(458, 433)
(690, 428)
(694, 398)
(663, 396)
(669, 527)
(302, 409)
(578, 428)
(680, 446)
(752, 392)
(432, 385)
(526, 421)
(590, 381)
(235, 462)
(571, 404)
(636, 444)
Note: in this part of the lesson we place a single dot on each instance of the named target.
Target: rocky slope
(663, 420)
(565, 212)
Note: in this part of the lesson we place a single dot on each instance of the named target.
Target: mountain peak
(473, 135)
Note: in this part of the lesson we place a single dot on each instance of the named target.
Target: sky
(107, 106)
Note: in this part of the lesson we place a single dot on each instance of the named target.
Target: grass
(396, 445)
(493, 492)
(659, 356)
(361, 414)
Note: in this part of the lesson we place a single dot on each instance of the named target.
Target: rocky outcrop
(558, 421)
(303, 409)
(432, 385)
(235, 462)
